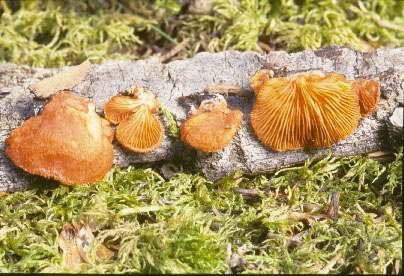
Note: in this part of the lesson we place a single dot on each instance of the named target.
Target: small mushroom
(298, 111)
(138, 129)
(369, 95)
(212, 126)
(68, 142)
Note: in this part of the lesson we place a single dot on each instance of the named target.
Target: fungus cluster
(68, 142)
(313, 110)
(212, 126)
(138, 129)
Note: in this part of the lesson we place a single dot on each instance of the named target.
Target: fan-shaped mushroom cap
(260, 78)
(138, 130)
(369, 94)
(119, 108)
(142, 132)
(212, 127)
(305, 111)
(68, 142)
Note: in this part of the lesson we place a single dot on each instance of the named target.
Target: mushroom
(313, 110)
(369, 94)
(68, 142)
(138, 129)
(212, 126)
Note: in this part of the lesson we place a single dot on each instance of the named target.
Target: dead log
(184, 79)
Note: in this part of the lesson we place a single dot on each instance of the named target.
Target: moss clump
(56, 33)
(191, 225)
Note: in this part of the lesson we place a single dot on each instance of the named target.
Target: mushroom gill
(211, 127)
(138, 129)
(68, 142)
(300, 111)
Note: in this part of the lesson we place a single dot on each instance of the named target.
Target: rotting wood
(184, 78)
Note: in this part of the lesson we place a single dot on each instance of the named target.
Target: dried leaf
(84, 237)
(65, 80)
(71, 254)
(75, 240)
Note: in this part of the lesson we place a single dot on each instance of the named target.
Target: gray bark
(183, 78)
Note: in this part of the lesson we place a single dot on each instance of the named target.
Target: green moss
(52, 36)
(53, 33)
(191, 225)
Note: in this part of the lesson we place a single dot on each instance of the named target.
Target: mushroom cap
(119, 108)
(68, 142)
(260, 78)
(212, 127)
(141, 132)
(138, 130)
(300, 111)
(369, 94)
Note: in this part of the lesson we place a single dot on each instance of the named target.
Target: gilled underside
(305, 111)
(138, 129)
(141, 132)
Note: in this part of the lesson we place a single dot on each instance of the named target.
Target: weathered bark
(183, 78)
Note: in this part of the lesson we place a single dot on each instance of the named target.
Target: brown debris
(228, 90)
(75, 240)
(212, 127)
(174, 50)
(332, 211)
(68, 142)
(67, 242)
(62, 81)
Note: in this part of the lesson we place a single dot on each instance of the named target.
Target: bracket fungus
(138, 129)
(313, 110)
(68, 142)
(212, 126)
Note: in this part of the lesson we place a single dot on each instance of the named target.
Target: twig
(332, 211)
(265, 46)
(259, 49)
(228, 258)
(174, 50)
(330, 264)
(216, 211)
(250, 192)
(228, 89)
(4, 5)
(386, 24)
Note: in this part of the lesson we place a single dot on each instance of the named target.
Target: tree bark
(176, 84)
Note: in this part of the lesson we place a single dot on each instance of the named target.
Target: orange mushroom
(68, 142)
(298, 111)
(138, 129)
(369, 94)
(212, 126)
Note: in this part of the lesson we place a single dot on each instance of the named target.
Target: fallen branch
(186, 78)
